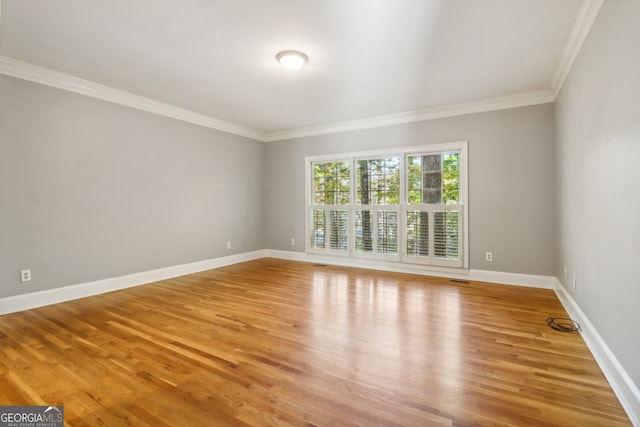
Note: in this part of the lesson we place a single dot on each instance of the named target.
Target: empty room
(319, 213)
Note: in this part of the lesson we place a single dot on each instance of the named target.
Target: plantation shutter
(406, 206)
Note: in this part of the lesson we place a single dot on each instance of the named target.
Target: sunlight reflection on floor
(374, 328)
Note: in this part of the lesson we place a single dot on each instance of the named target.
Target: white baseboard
(546, 282)
(27, 301)
(621, 383)
(22, 302)
(17, 303)
(517, 279)
(623, 386)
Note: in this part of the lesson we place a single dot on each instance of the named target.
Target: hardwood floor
(278, 343)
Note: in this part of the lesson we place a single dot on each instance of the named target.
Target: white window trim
(403, 152)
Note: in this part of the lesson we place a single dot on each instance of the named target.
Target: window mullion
(397, 229)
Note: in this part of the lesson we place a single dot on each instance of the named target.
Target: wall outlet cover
(25, 275)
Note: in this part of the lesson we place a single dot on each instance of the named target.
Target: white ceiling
(367, 58)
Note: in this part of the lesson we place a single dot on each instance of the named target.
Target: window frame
(374, 208)
(402, 208)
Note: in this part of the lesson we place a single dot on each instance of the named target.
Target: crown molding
(478, 106)
(25, 71)
(581, 27)
(586, 16)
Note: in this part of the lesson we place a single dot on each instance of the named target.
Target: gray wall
(598, 155)
(511, 182)
(92, 190)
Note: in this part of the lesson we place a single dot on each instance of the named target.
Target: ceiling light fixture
(292, 60)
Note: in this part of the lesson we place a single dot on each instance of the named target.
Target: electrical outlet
(488, 256)
(244, 243)
(228, 245)
(25, 275)
(574, 281)
(565, 272)
(293, 241)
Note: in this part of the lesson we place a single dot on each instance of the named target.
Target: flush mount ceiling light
(292, 60)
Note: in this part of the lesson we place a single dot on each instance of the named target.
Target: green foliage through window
(331, 183)
(433, 178)
(378, 181)
(357, 206)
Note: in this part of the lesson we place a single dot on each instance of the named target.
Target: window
(377, 206)
(405, 206)
(434, 211)
(328, 215)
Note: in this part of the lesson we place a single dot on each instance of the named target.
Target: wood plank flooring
(280, 343)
